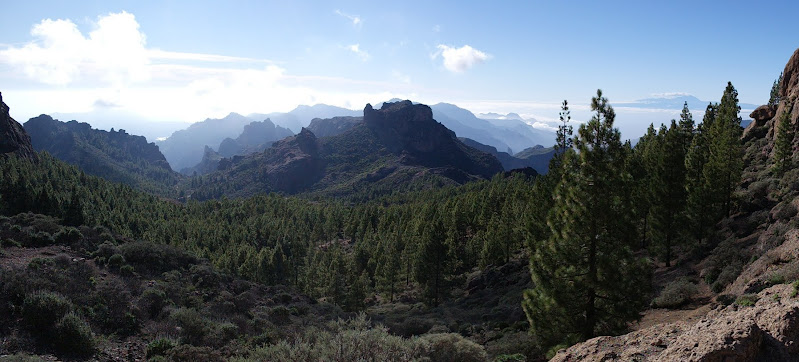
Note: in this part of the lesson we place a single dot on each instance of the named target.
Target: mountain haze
(397, 146)
(116, 155)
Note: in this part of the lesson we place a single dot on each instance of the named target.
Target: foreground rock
(767, 331)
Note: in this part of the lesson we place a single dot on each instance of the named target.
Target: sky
(184, 61)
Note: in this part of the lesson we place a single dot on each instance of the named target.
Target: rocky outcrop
(767, 118)
(113, 155)
(256, 137)
(13, 138)
(763, 113)
(330, 127)
(766, 331)
(410, 131)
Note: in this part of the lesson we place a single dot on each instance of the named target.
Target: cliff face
(766, 118)
(13, 138)
(115, 156)
(335, 126)
(410, 131)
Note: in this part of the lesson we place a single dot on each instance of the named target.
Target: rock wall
(13, 138)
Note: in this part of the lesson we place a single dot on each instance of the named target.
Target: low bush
(746, 300)
(73, 336)
(40, 310)
(160, 347)
(193, 326)
(446, 347)
(675, 294)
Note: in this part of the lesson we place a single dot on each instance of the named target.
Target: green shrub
(160, 347)
(67, 235)
(675, 294)
(186, 353)
(446, 347)
(40, 310)
(193, 326)
(152, 301)
(41, 238)
(126, 270)
(116, 261)
(73, 336)
(517, 357)
(727, 276)
(152, 259)
(747, 300)
(795, 289)
(280, 315)
(775, 279)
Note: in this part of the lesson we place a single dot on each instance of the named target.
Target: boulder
(763, 113)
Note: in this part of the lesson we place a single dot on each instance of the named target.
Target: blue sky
(188, 60)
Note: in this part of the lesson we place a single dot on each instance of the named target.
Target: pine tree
(725, 164)
(783, 144)
(563, 137)
(774, 96)
(586, 279)
(432, 261)
(698, 186)
(668, 190)
(686, 127)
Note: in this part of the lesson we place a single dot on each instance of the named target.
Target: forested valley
(515, 267)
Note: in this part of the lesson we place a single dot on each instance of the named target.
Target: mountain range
(399, 146)
(184, 149)
(114, 155)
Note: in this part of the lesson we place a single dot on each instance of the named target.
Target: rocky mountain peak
(13, 138)
(790, 77)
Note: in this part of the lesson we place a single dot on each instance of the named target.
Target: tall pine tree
(586, 279)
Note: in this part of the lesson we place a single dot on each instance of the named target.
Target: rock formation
(13, 138)
(409, 130)
(330, 127)
(766, 331)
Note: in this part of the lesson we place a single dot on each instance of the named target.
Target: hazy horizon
(188, 61)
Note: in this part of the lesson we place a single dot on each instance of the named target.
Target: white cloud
(356, 48)
(355, 19)
(436, 28)
(161, 85)
(458, 60)
(113, 52)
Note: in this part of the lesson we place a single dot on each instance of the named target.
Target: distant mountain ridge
(536, 157)
(255, 137)
(507, 134)
(399, 146)
(116, 155)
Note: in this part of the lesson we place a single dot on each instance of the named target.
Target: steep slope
(328, 127)
(538, 161)
(397, 147)
(209, 163)
(13, 138)
(256, 137)
(115, 156)
(184, 148)
(745, 267)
